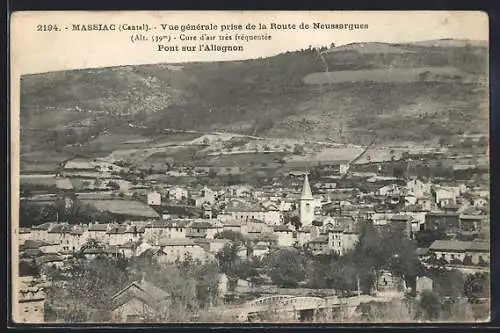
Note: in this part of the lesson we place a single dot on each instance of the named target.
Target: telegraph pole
(359, 289)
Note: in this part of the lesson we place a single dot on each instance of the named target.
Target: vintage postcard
(239, 166)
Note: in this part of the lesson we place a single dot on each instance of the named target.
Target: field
(123, 207)
(245, 159)
(370, 48)
(388, 75)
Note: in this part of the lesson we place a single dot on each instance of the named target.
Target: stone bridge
(295, 305)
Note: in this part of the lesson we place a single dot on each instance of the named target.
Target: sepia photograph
(250, 167)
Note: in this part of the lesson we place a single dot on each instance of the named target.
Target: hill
(344, 94)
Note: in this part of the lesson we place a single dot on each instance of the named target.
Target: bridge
(299, 306)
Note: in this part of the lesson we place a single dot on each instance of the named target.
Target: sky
(35, 51)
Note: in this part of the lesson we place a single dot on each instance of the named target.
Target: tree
(234, 236)
(477, 286)
(89, 287)
(227, 257)
(292, 220)
(430, 305)
(448, 283)
(298, 150)
(286, 267)
(113, 185)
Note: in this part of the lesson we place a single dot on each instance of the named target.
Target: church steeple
(306, 203)
(306, 190)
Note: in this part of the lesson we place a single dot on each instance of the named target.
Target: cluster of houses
(271, 218)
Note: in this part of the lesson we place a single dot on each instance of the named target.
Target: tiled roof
(320, 239)
(49, 258)
(201, 225)
(459, 246)
(399, 217)
(176, 242)
(143, 290)
(98, 227)
(60, 228)
(441, 214)
(117, 230)
(282, 228)
(473, 217)
(33, 244)
(44, 226)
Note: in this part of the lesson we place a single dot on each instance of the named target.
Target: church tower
(306, 205)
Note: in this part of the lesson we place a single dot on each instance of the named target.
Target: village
(322, 211)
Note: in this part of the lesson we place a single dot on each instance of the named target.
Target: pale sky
(37, 51)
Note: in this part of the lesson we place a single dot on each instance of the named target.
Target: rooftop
(460, 246)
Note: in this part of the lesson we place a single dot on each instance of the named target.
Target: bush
(430, 305)
(286, 267)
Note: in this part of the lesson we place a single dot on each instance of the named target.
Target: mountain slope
(399, 92)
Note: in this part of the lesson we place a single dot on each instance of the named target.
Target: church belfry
(306, 204)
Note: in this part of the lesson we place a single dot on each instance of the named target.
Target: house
(91, 253)
(98, 231)
(319, 245)
(140, 301)
(198, 229)
(117, 235)
(444, 196)
(232, 225)
(260, 250)
(50, 260)
(391, 189)
(154, 198)
(165, 229)
(472, 223)
(51, 247)
(180, 249)
(342, 236)
(203, 228)
(244, 211)
(215, 245)
(285, 235)
(442, 220)
(254, 226)
(424, 283)
(40, 232)
(240, 191)
(461, 252)
(178, 193)
(205, 196)
(418, 188)
(265, 239)
(128, 249)
(303, 235)
(228, 286)
(402, 223)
